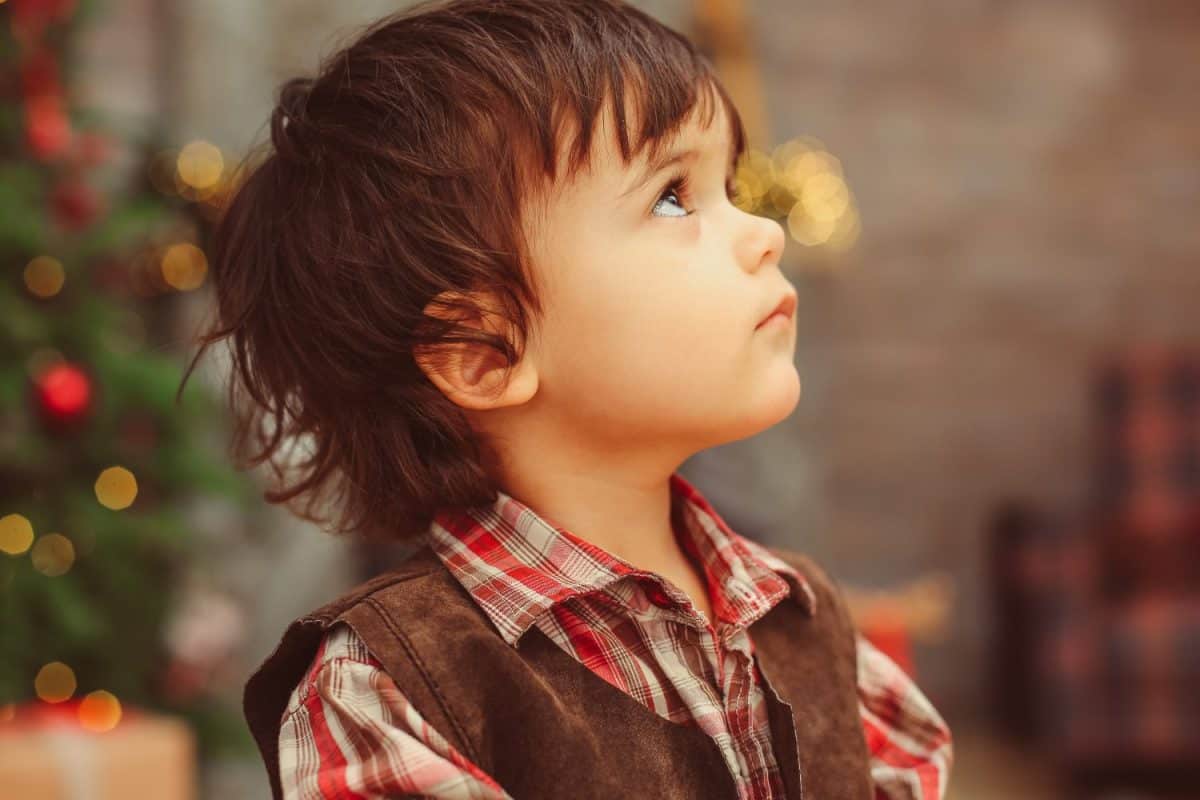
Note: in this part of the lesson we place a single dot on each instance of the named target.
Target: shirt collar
(516, 564)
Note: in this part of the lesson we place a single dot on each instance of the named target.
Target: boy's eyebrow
(659, 164)
(667, 159)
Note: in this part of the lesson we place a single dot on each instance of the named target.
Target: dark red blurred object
(75, 204)
(1097, 646)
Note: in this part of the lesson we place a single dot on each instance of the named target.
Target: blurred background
(991, 209)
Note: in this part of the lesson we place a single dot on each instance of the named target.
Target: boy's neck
(633, 523)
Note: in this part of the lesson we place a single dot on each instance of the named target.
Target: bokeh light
(184, 266)
(44, 276)
(16, 534)
(116, 488)
(99, 711)
(198, 170)
(52, 555)
(802, 184)
(55, 682)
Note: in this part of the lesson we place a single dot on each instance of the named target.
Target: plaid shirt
(348, 732)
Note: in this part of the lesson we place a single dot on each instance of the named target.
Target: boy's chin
(781, 405)
(768, 406)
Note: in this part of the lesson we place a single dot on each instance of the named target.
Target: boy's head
(464, 264)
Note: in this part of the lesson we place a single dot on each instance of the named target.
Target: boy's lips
(785, 307)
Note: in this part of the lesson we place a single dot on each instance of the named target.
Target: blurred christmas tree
(99, 454)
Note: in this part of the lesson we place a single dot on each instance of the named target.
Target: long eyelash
(680, 184)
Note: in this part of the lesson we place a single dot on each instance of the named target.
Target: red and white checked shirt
(348, 732)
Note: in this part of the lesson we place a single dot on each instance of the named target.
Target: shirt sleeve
(910, 745)
(348, 731)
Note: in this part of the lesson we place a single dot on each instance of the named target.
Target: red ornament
(47, 130)
(39, 74)
(75, 204)
(63, 395)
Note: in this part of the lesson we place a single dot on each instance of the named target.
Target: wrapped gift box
(46, 754)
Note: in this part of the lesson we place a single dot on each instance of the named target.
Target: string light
(52, 555)
(44, 276)
(99, 711)
(199, 165)
(184, 266)
(55, 682)
(116, 488)
(16, 534)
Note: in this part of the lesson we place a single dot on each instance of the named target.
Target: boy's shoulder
(340, 651)
(818, 579)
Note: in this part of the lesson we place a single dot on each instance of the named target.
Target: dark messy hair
(398, 175)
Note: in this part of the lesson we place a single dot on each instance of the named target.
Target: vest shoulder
(827, 590)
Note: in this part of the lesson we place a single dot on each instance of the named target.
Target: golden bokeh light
(784, 152)
(761, 164)
(116, 488)
(99, 711)
(200, 164)
(16, 534)
(802, 183)
(806, 166)
(184, 266)
(751, 185)
(55, 682)
(825, 196)
(847, 233)
(808, 230)
(779, 200)
(52, 555)
(44, 276)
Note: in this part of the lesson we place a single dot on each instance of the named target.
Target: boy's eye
(679, 187)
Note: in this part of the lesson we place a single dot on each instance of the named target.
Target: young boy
(495, 274)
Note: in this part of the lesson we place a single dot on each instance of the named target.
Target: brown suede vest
(544, 726)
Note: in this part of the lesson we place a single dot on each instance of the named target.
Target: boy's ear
(472, 374)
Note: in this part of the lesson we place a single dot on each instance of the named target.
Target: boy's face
(649, 336)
